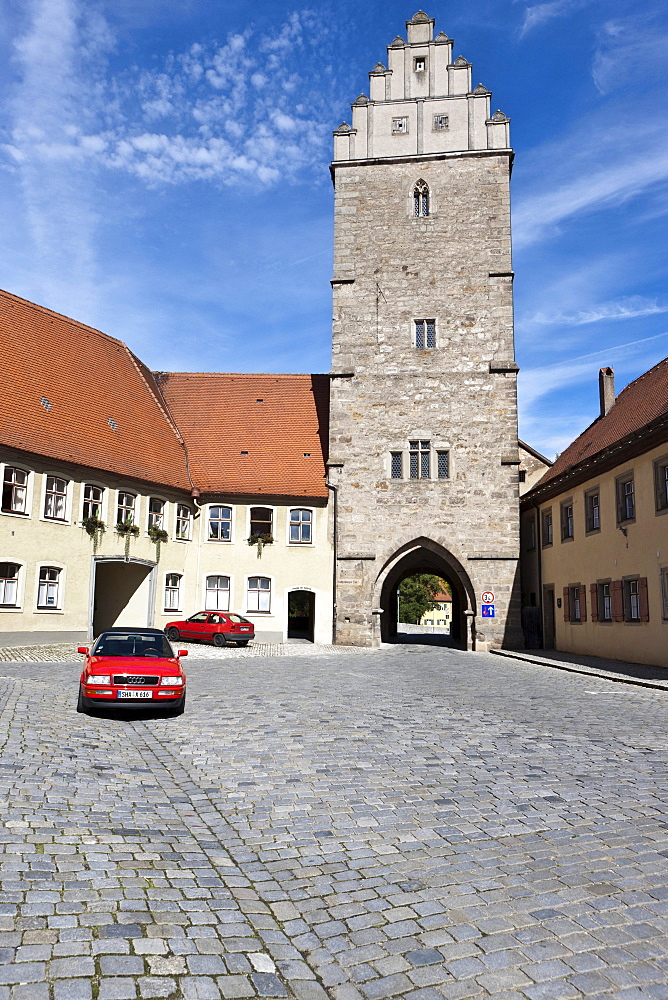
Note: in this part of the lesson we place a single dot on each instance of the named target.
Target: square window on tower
(440, 123)
(420, 64)
(400, 126)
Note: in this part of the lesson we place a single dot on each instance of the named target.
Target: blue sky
(164, 176)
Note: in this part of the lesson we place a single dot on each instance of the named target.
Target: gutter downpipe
(335, 547)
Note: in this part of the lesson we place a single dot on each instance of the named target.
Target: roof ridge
(68, 319)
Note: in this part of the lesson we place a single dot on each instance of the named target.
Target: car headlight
(99, 679)
(171, 681)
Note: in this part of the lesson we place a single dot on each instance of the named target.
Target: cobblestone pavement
(66, 652)
(416, 823)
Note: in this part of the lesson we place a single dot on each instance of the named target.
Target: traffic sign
(488, 611)
(488, 597)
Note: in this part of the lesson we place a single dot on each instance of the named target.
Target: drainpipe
(335, 537)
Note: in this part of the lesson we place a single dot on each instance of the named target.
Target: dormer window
(421, 200)
(420, 64)
(399, 126)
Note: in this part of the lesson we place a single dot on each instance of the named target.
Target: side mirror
(182, 652)
(83, 649)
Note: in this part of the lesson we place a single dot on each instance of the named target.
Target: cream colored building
(441, 615)
(184, 490)
(595, 530)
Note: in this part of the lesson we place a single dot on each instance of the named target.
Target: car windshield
(144, 644)
(237, 618)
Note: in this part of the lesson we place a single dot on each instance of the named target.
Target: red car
(132, 667)
(221, 628)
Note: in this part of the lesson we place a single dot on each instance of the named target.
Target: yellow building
(441, 615)
(595, 530)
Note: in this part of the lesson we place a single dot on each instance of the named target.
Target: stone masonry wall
(390, 269)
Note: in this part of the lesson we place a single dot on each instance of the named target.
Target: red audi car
(133, 668)
(221, 628)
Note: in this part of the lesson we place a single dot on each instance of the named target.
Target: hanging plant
(157, 535)
(260, 539)
(95, 528)
(127, 530)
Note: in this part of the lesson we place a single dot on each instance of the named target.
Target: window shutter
(617, 601)
(567, 606)
(644, 602)
(593, 593)
(583, 603)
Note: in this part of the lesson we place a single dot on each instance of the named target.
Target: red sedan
(221, 628)
(132, 667)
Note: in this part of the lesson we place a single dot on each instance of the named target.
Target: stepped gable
(641, 403)
(72, 393)
(281, 421)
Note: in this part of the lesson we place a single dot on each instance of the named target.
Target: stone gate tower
(423, 427)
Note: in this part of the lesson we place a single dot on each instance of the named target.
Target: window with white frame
(125, 511)
(92, 501)
(156, 513)
(425, 334)
(173, 591)
(48, 590)
(259, 593)
(440, 123)
(9, 584)
(661, 483)
(631, 592)
(626, 504)
(664, 593)
(220, 524)
(55, 498)
(15, 490)
(399, 126)
(301, 523)
(217, 593)
(184, 517)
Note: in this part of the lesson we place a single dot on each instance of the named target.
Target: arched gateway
(426, 556)
(423, 407)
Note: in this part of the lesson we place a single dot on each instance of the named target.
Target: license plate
(245, 628)
(134, 694)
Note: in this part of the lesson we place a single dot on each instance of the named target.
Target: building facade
(423, 425)
(595, 531)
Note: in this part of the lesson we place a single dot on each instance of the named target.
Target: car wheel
(82, 703)
(173, 633)
(219, 639)
(177, 709)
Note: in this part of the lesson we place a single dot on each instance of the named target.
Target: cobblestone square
(416, 822)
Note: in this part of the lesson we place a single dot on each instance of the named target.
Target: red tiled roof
(86, 381)
(639, 404)
(280, 421)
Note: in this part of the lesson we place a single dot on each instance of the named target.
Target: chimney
(606, 389)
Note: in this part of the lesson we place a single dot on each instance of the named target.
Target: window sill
(592, 531)
(219, 541)
(568, 538)
(55, 520)
(14, 513)
(10, 607)
(661, 511)
(48, 611)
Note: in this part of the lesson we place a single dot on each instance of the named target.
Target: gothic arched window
(421, 200)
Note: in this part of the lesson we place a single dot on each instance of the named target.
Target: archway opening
(423, 558)
(122, 594)
(301, 615)
(424, 610)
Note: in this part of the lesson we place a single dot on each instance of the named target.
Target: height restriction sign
(488, 597)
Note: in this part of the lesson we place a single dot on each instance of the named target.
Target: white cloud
(631, 307)
(630, 51)
(594, 186)
(541, 13)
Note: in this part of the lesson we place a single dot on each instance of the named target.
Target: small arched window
(421, 200)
